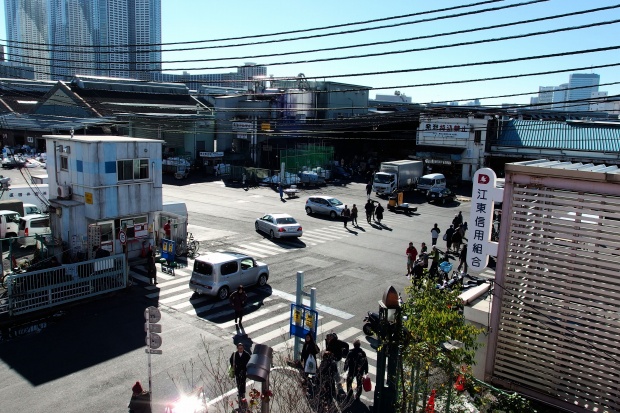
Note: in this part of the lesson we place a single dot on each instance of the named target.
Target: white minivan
(220, 273)
(429, 181)
(32, 225)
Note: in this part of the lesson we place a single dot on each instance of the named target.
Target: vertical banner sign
(484, 195)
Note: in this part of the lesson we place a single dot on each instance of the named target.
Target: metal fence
(51, 287)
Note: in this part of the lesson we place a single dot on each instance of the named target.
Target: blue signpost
(304, 320)
(168, 249)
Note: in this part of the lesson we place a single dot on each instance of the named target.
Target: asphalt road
(89, 358)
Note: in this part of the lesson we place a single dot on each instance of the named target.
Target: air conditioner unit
(64, 192)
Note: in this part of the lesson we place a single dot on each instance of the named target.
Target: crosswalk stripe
(234, 249)
(266, 323)
(277, 248)
(165, 276)
(349, 332)
(278, 332)
(229, 312)
(162, 293)
(140, 277)
(257, 251)
(325, 328)
(327, 234)
(190, 302)
(313, 238)
(216, 304)
(335, 230)
(177, 297)
(164, 284)
(254, 314)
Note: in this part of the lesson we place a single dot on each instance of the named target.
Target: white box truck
(397, 176)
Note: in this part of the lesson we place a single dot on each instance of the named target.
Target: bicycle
(192, 246)
(189, 247)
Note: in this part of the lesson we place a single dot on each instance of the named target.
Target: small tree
(436, 341)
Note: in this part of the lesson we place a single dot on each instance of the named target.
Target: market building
(452, 146)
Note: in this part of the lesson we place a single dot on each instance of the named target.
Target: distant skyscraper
(545, 97)
(560, 96)
(117, 38)
(580, 88)
(26, 21)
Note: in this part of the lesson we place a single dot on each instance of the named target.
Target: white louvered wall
(559, 332)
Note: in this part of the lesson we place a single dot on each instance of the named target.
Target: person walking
(435, 231)
(243, 178)
(368, 189)
(458, 220)
(463, 259)
(310, 348)
(140, 400)
(369, 208)
(167, 229)
(379, 212)
(281, 191)
(354, 215)
(448, 238)
(346, 214)
(463, 229)
(151, 267)
(412, 254)
(424, 255)
(356, 365)
(239, 362)
(327, 377)
(457, 240)
(237, 300)
(374, 210)
(434, 261)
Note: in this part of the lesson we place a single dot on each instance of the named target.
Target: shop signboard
(442, 130)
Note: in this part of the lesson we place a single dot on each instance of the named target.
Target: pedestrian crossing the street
(266, 317)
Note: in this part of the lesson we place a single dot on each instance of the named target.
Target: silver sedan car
(278, 225)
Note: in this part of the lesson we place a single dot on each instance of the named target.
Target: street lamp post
(390, 321)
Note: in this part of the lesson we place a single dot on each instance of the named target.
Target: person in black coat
(327, 375)
(448, 234)
(379, 212)
(239, 362)
(310, 348)
(356, 365)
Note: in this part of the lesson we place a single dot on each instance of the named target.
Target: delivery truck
(397, 176)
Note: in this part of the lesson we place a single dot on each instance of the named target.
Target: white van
(31, 209)
(431, 181)
(176, 208)
(9, 223)
(219, 273)
(32, 225)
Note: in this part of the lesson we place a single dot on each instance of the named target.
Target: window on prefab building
(64, 163)
(478, 136)
(132, 169)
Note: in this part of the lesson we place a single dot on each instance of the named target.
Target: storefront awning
(445, 153)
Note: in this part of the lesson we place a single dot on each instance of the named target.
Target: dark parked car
(440, 195)
(338, 172)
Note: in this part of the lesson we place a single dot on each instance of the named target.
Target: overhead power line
(431, 19)
(366, 55)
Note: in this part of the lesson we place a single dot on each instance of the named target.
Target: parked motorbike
(371, 324)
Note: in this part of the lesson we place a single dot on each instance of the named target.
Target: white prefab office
(100, 185)
(555, 322)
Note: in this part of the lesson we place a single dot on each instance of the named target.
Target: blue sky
(191, 20)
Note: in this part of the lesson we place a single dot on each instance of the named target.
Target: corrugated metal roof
(560, 135)
(15, 121)
(573, 166)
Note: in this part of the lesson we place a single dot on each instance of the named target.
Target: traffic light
(259, 365)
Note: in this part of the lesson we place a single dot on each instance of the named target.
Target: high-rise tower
(580, 88)
(26, 22)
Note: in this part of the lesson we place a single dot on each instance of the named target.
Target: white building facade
(100, 185)
(452, 145)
